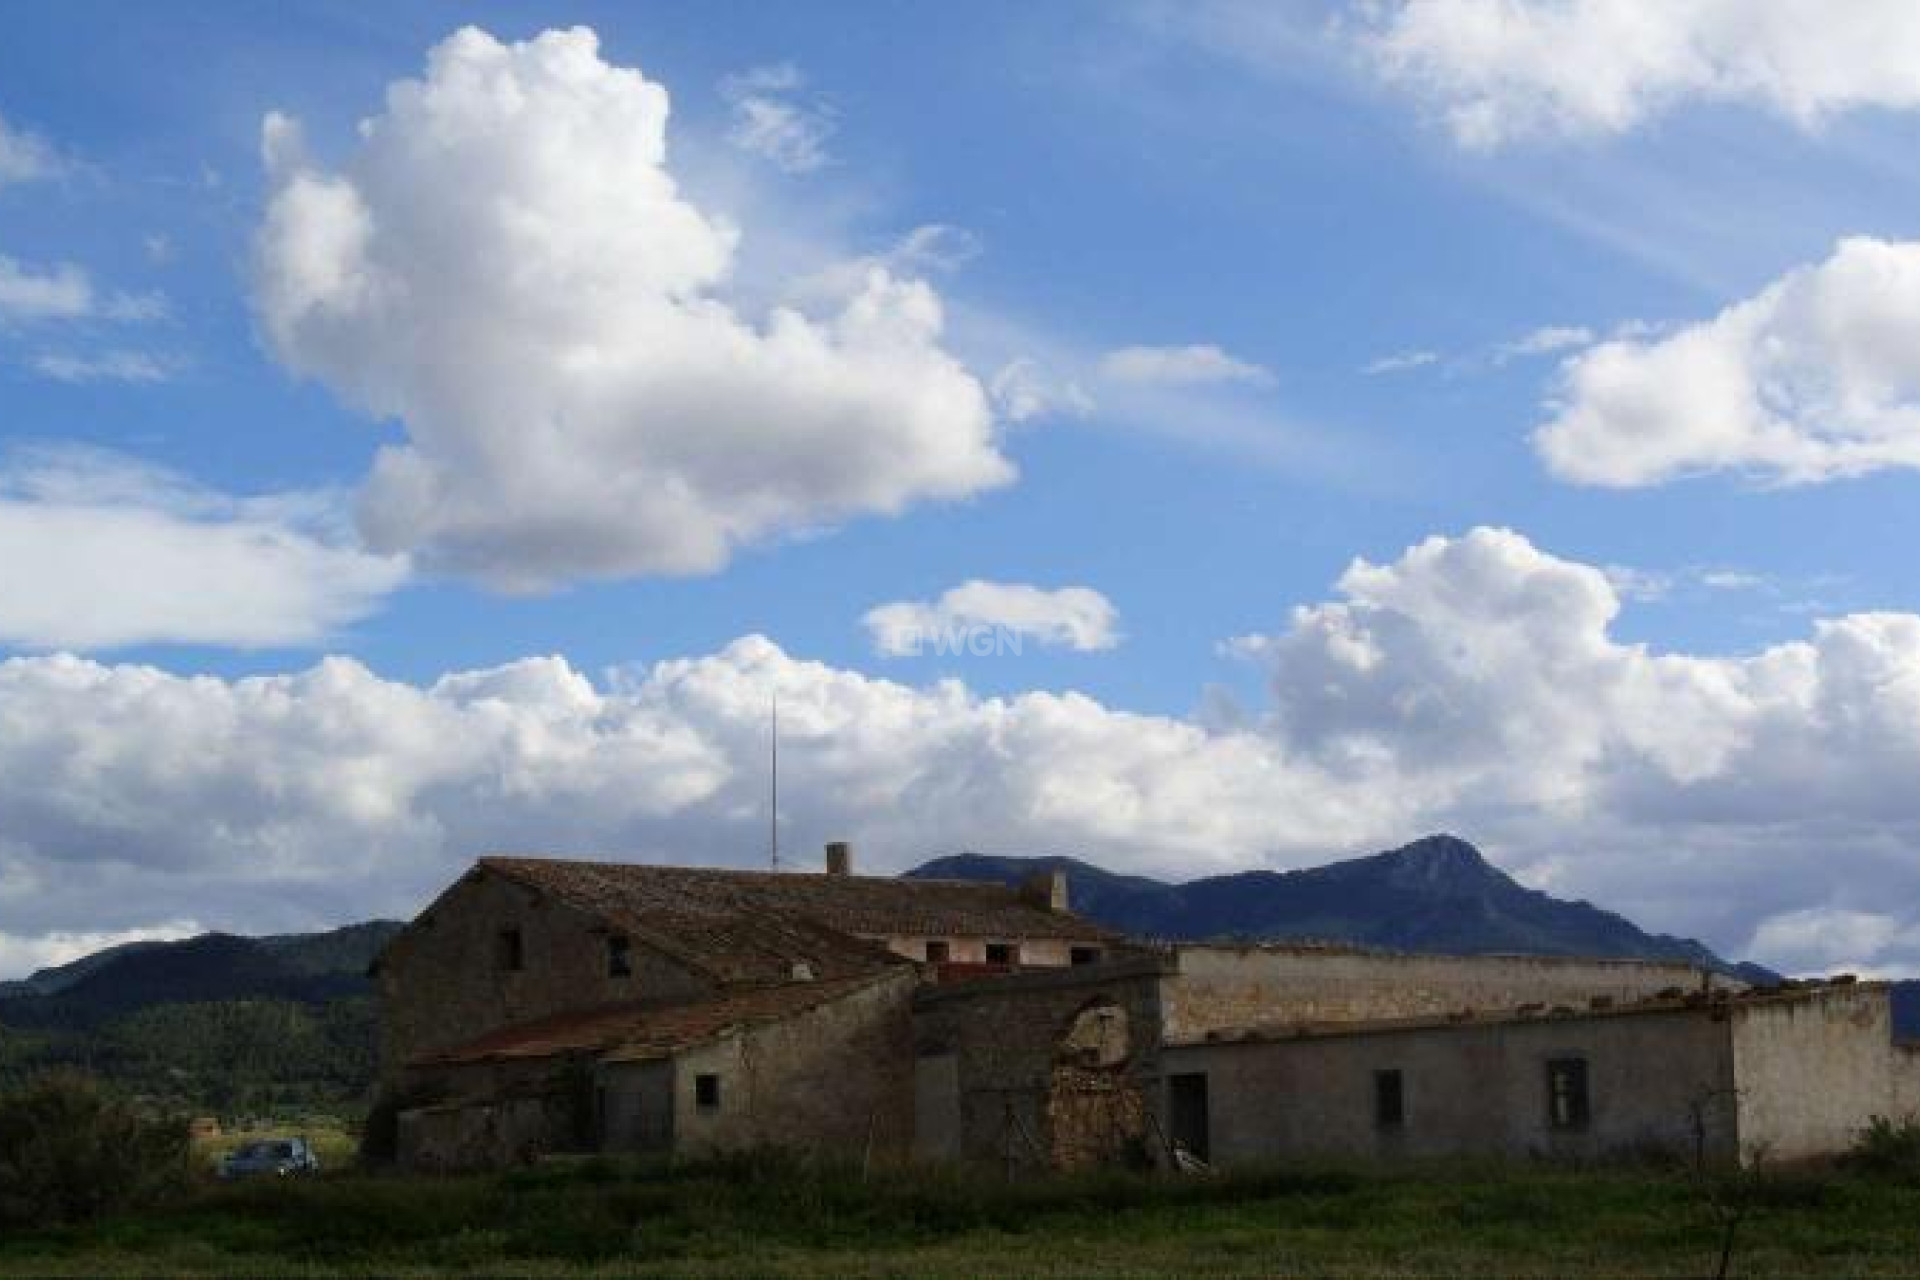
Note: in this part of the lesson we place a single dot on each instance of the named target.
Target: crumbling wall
(1049, 1069)
(472, 1136)
(1812, 1070)
(836, 1078)
(1096, 1110)
(1216, 988)
(441, 983)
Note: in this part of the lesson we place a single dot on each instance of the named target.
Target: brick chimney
(1047, 891)
(839, 858)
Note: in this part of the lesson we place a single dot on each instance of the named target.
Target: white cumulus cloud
(98, 551)
(1473, 683)
(1501, 70)
(506, 266)
(1180, 366)
(1077, 618)
(1821, 940)
(1814, 378)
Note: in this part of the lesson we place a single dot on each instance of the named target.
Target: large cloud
(100, 551)
(1498, 70)
(1815, 377)
(506, 265)
(1473, 683)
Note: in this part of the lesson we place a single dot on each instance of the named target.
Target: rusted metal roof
(647, 1029)
(744, 926)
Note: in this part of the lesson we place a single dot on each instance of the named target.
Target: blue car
(275, 1157)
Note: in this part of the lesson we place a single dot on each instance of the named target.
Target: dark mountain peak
(1437, 894)
(1441, 864)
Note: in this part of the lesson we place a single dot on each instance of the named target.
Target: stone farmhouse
(541, 1006)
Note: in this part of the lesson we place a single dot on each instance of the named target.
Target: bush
(70, 1151)
(1887, 1149)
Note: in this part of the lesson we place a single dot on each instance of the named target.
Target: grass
(759, 1217)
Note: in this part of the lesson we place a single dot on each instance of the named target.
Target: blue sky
(1331, 279)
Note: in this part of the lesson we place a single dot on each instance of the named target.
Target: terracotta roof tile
(644, 1029)
(752, 925)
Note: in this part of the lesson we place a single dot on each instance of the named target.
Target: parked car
(276, 1157)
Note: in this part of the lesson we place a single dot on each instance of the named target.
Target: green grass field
(748, 1219)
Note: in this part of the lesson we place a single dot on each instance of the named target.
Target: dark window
(1086, 955)
(706, 1092)
(1002, 953)
(619, 957)
(938, 952)
(511, 952)
(1567, 1093)
(1389, 1100)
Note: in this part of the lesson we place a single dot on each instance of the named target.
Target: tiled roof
(647, 1029)
(752, 925)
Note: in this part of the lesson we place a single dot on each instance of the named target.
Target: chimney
(839, 858)
(1047, 891)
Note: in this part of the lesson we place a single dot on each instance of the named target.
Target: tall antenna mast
(773, 774)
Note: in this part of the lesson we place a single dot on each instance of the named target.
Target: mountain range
(289, 1018)
(308, 968)
(1438, 894)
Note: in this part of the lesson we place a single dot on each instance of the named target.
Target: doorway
(1187, 1113)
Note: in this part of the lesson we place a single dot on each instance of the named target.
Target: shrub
(1887, 1149)
(71, 1151)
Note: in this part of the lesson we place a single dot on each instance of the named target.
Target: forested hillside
(218, 1023)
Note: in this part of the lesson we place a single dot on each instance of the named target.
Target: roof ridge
(994, 888)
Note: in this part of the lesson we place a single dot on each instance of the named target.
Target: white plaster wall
(1812, 1071)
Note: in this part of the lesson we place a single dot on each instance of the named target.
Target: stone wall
(833, 1079)
(1216, 988)
(1043, 1069)
(1905, 1083)
(1468, 1089)
(1812, 1069)
(496, 1134)
(441, 983)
